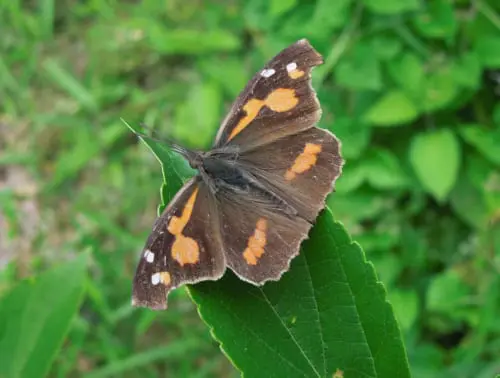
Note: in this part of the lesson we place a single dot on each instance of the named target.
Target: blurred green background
(411, 87)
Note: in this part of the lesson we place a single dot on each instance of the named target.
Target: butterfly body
(257, 192)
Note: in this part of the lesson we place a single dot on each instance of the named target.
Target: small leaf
(327, 313)
(447, 293)
(435, 157)
(355, 71)
(351, 178)
(386, 47)
(438, 21)
(440, 89)
(36, 315)
(467, 71)
(393, 109)
(486, 141)
(408, 73)
(469, 203)
(405, 304)
(354, 135)
(383, 170)
(278, 7)
(391, 6)
(488, 51)
(364, 203)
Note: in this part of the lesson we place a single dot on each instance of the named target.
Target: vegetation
(410, 87)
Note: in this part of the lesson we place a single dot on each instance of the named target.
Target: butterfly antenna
(176, 147)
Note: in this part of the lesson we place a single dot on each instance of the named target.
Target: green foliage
(324, 322)
(410, 87)
(435, 157)
(36, 315)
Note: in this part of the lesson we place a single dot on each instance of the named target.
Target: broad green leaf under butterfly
(35, 317)
(328, 313)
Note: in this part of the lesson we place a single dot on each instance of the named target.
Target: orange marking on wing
(304, 161)
(251, 108)
(165, 278)
(279, 100)
(295, 74)
(185, 250)
(256, 243)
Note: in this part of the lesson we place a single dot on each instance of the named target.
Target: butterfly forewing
(184, 247)
(278, 101)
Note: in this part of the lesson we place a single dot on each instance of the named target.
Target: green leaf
(488, 50)
(435, 157)
(354, 135)
(278, 7)
(364, 203)
(469, 203)
(351, 178)
(386, 47)
(447, 293)
(467, 71)
(391, 6)
(392, 109)
(36, 315)
(330, 15)
(356, 71)
(383, 170)
(405, 304)
(440, 89)
(327, 313)
(486, 141)
(408, 73)
(438, 21)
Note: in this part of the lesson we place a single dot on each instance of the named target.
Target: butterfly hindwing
(299, 168)
(184, 247)
(278, 101)
(259, 240)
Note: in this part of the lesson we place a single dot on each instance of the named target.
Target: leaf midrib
(289, 332)
(261, 340)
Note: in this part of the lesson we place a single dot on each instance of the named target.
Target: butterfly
(258, 190)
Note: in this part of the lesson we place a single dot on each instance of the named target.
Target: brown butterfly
(257, 192)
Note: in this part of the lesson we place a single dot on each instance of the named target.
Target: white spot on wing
(150, 256)
(268, 72)
(156, 278)
(290, 67)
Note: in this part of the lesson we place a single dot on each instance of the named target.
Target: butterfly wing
(185, 246)
(278, 101)
(301, 168)
(259, 240)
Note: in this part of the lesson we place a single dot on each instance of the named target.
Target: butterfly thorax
(223, 172)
